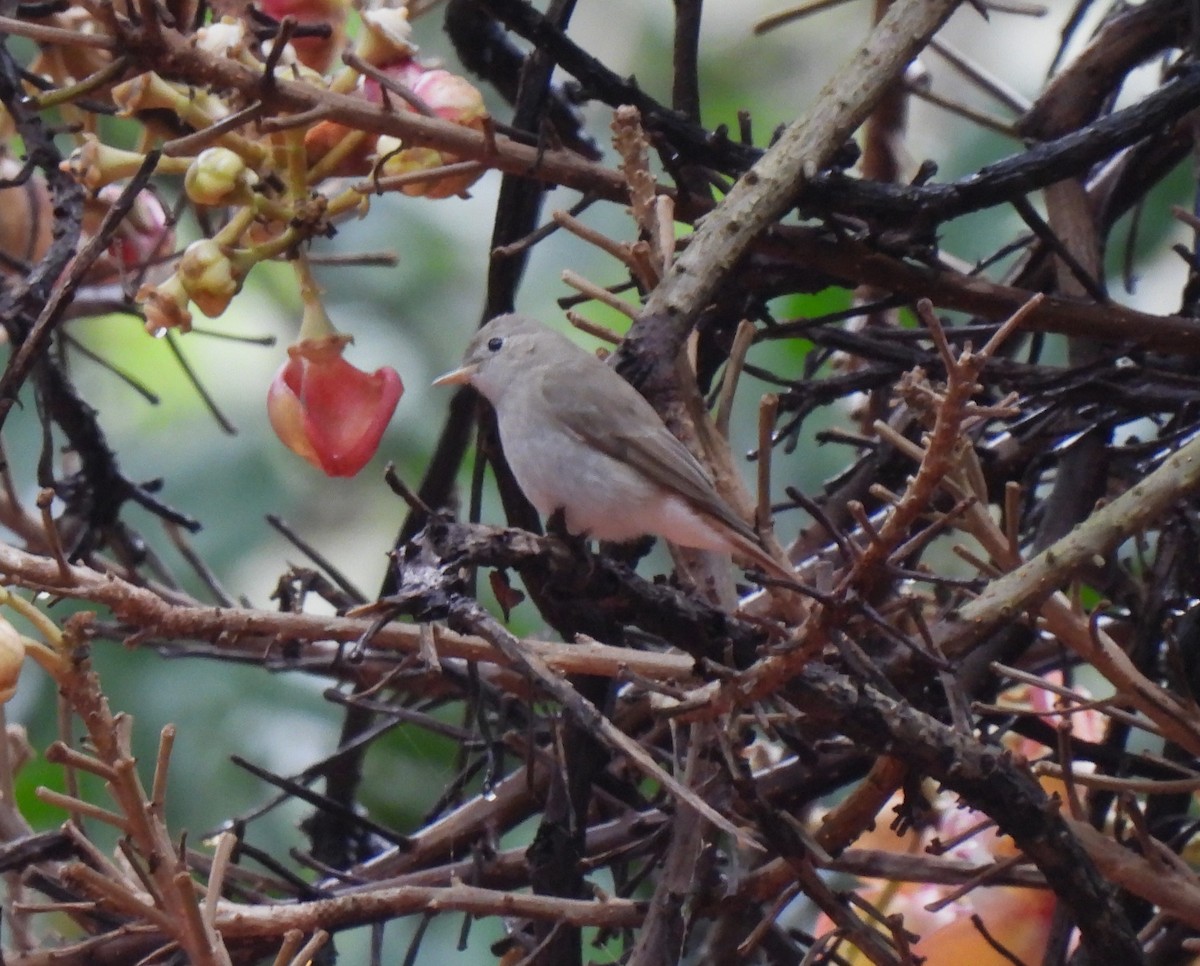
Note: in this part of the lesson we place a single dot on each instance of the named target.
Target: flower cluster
(410, 85)
(264, 195)
(142, 239)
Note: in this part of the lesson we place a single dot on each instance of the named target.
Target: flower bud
(209, 277)
(143, 92)
(143, 236)
(324, 136)
(412, 160)
(149, 91)
(166, 306)
(95, 164)
(12, 657)
(448, 96)
(217, 176)
(451, 97)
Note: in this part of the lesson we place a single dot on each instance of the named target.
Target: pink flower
(450, 97)
(327, 411)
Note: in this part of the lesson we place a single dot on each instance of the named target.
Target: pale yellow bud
(143, 92)
(12, 657)
(216, 177)
(149, 91)
(95, 164)
(166, 307)
(208, 276)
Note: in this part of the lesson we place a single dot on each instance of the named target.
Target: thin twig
(599, 294)
(742, 340)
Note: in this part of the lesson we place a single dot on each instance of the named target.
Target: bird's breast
(599, 495)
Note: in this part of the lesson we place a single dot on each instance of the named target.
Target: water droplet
(489, 794)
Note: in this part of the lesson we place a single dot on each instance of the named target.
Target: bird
(581, 440)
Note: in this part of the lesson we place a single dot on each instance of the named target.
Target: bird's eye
(495, 344)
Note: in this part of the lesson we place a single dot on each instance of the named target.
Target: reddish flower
(146, 233)
(315, 52)
(326, 410)
(448, 96)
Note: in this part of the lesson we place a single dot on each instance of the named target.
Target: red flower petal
(329, 412)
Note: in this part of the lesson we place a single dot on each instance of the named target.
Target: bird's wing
(615, 419)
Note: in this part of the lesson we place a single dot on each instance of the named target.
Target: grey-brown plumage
(579, 438)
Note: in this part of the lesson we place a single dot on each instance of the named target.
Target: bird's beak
(457, 377)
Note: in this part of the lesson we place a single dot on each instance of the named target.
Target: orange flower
(326, 410)
(1017, 919)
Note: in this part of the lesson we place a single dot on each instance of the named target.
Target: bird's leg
(628, 552)
(577, 543)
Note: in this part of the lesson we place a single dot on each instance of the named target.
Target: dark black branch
(689, 139)
(1069, 156)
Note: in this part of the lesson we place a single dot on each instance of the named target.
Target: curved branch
(990, 781)
(772, 186)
